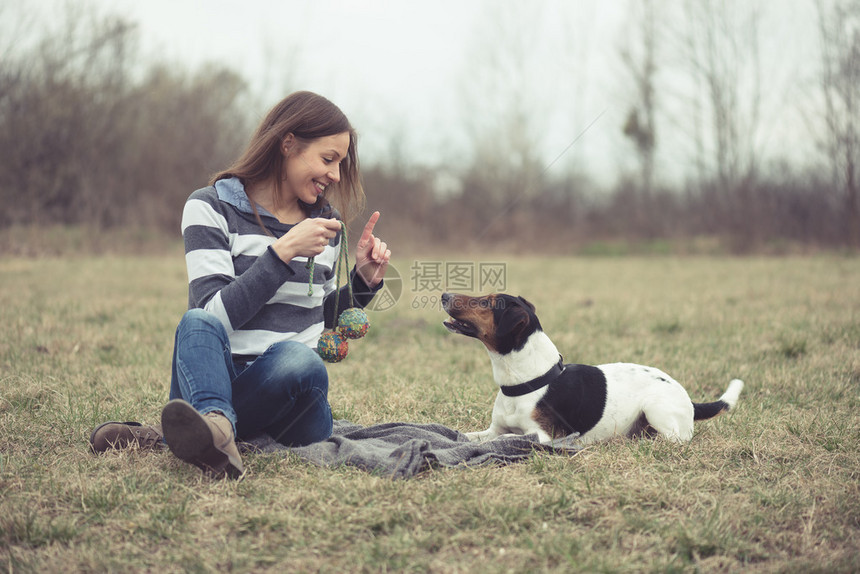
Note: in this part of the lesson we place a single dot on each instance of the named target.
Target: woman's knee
(292, 360)
(309, 421)
(198, 321)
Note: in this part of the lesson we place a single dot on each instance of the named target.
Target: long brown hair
(307, 116)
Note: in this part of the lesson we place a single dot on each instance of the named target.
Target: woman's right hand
(307, 238)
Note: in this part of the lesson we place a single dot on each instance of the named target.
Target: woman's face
(310, 170)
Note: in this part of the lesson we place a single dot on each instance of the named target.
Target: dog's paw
(474, 436)
(570, 441)
(482, 436)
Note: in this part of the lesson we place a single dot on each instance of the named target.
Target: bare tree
(88, 136)
(641, 62)
(512, 108)
(500, 111)
(721, 56)
(839, 28)
(59, 119)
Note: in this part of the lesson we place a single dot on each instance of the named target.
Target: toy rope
(342, 260)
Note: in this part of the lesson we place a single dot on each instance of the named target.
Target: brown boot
(206, 441)
(112, 434)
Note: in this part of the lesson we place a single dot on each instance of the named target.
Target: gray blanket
(402, 450)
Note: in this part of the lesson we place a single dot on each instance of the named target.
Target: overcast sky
(412, 74)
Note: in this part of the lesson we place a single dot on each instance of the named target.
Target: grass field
(772, 487)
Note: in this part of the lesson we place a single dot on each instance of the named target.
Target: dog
(540, 394)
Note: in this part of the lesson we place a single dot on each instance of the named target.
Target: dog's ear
(526, 303)
(513, 319)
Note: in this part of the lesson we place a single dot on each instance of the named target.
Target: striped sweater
(235, 274)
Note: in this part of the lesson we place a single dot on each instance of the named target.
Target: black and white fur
(556, 400)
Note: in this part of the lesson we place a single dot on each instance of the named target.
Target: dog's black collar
(535, 384)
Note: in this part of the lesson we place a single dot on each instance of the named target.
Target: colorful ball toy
(332, 347)
(353, 323)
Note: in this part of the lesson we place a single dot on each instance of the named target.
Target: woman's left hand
(372, 255)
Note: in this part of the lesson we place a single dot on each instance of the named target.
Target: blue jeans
(284, 392)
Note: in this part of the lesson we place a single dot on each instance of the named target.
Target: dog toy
(352, 323)
(332, 347)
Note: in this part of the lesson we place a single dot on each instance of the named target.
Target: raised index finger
(368, 229)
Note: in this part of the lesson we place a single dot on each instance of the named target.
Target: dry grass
(772, 487)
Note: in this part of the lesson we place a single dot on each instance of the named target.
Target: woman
(244, 360)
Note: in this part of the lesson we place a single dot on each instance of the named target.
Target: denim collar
(231, 190)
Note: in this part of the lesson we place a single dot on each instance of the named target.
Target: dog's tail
(727, 402)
